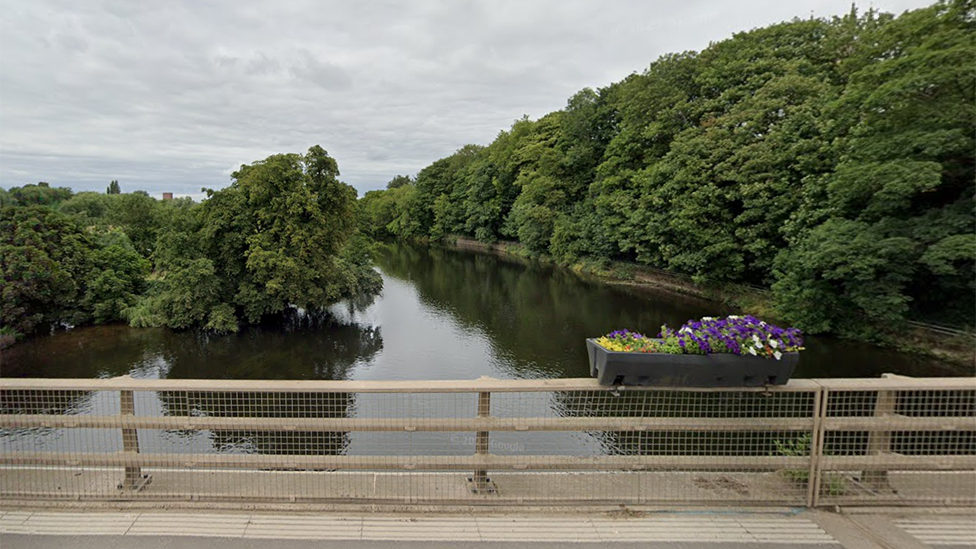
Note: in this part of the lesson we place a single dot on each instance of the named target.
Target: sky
(175, 95)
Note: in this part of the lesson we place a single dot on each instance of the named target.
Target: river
(443, 314)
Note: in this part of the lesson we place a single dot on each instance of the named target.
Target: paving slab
(899, 529)
(748, 528)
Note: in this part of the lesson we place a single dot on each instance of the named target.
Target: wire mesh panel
(47, 416)
(471, 442)
(661, 445)
(899, 441)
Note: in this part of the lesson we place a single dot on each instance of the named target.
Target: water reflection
(443, 314)
(325, 346)
(535, 317)
(282, 438)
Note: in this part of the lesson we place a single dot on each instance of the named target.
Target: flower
(733, 334)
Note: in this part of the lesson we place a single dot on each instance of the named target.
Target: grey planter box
(664, 370)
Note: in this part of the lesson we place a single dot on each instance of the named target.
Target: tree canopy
(830, 160)
(282, 236)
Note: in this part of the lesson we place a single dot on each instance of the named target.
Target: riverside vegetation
(282, 236)
(830, 161)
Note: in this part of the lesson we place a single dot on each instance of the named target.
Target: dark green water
(443, 314)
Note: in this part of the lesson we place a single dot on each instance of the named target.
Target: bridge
(487, 442)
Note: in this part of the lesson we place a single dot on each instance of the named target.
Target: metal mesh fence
(899, 442)
(473, 442)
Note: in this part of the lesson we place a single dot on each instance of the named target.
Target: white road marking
(941, 530)
(660, 528)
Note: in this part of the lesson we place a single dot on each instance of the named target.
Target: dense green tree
(282, 236)
(113, 188)
(40, 194)
(116, 279)
(490, 184)
(57, 272)
(44, 256)
(844, 276)
(399, 181)
(89, 208)
(378, 209)
(832, 160)
(276, 238)
(136, 214)
(905, 172)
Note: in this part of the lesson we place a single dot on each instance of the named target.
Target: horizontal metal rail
(819, 440)
(402, 463)
(899, 423)
(21, 421)
(484, 384)
(898, 462)
(481, 385)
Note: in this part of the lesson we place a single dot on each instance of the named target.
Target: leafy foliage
(276, 238)
(281, 236)
(40, 194)
(44, 258)
(830, 160)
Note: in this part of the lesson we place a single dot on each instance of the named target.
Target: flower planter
(668, 370)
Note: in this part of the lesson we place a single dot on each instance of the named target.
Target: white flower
(778, 355)
(708, 318)
(733, 317)
(756, 339)
(773, 343)
(685, 329)
(752, 351)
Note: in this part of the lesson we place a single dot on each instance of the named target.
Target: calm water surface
(443, 314)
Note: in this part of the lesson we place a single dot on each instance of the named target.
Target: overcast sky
(174, 95)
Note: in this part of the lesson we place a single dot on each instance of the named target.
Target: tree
(136, 214)
(399, 181)
(831, 160)
(378, 209)
(906, 156)
(116, 278)
(40, 194)
(89, 208)
(113, 188)
(276, 238)
(44, 257)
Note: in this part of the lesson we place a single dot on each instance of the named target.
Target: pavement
(698, 529)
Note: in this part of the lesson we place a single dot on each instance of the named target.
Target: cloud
(165, 96)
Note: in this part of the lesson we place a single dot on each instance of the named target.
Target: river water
(443, 314)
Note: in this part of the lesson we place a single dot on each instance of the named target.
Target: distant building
(167, 196)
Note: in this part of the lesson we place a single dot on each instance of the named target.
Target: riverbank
(957, 349)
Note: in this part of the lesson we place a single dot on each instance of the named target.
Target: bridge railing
(893, 440)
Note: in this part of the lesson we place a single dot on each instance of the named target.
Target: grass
(800, 447)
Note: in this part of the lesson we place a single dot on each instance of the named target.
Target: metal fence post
(480, 483)
(814, 479)
(879, 442)
(130, 442)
